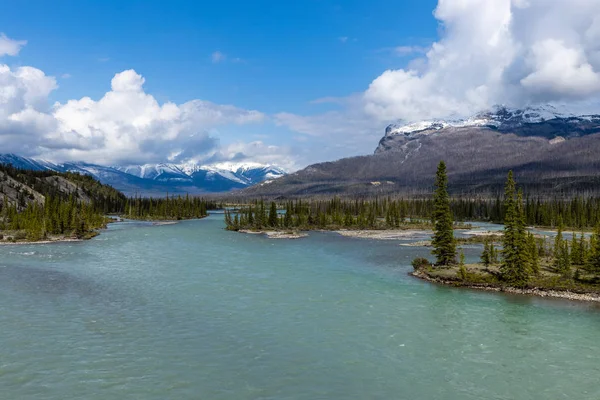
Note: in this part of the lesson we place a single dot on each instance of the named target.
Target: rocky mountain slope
(22, 187)
(549, 151)
(158, 179)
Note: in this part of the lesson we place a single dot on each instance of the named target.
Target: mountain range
(549, 150)
(158, 179)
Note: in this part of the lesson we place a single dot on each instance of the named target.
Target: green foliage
(462, 270)
(49, 203)
(486, 256)
(534, 254)
(562, 256)
(56, 217)
(594, 253)
(516, 261)
(420, 263)
(167, 208)
(332, 214)
(273, 219)
(103, 198)
(444, 245)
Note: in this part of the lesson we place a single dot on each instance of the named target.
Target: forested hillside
(21, 187)
(37, 205)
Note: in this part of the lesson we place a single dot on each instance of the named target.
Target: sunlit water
(190, 311)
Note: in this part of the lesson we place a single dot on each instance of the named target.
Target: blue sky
(289, 52)
(290, 83)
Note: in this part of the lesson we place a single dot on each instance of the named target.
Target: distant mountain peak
(498, 117)
(157, 179)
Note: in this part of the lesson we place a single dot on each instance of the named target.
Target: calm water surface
(190, 311)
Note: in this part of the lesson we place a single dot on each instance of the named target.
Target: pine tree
(273, 220)
(524, 256)
(486, 258)
(534, 254)
(594, 258)
(565, 263)
(444, 244)
(493, 254)
(583, 249)
(515, 263)
(558, 247)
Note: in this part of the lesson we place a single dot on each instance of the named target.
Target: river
(191, 311)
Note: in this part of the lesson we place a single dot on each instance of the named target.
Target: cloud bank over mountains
(126, 125)
(511, 52)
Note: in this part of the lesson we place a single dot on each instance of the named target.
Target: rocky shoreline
(48, 241)
(276, 234)
(389, 234)
(539, 292)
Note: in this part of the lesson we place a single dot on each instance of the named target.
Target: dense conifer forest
(168, 208)
(330, 214)
(392, 213)
(37, 205)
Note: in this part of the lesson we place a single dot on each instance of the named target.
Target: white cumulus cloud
(512, 52)
(10, 47)
(126, 125)
(129, 125)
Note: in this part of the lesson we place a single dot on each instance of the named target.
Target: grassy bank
(582, 285)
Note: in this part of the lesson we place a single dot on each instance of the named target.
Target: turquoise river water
(191, 311)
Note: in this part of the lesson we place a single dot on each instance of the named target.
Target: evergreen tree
(486, 258)
(576, 251)
(594, 258)
(534, 254)
(493, 254)
(444, 244)
(273, 220)
(462, 270)
(515, 263)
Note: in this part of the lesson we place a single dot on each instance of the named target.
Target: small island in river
(386, 219)
(524, 263)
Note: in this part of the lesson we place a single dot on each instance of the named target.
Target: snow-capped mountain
(550, 151)
(157, 179)
(505, 119)
(244, 174)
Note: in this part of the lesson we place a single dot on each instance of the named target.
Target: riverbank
(277, 234)
(388, 234)
(21, 238)
(361, 234)
(543, 286)
(11, 240)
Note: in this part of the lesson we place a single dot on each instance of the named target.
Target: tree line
(56, 216)
(522, 256)
(167, 208)
(328, 214)
(391, 213)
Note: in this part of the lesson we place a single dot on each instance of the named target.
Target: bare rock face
(550, 152)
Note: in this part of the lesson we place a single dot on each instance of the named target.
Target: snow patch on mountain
(163, 177)
(242, 173)
(499, 117)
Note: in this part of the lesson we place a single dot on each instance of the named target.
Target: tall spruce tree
(444, 244)
(486, 257)
(515, 261)
(594, 257)
(273, 218)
